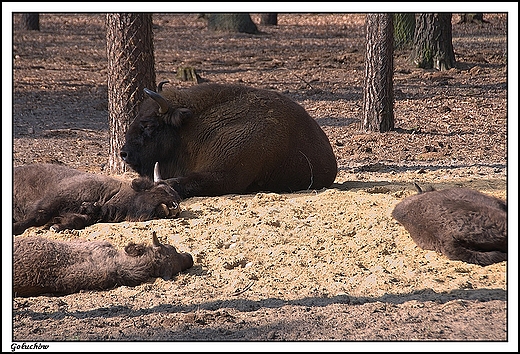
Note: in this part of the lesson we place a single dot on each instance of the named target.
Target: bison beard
(460, 223)
(215, 139)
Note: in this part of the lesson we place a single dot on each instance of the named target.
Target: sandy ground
(324, 267)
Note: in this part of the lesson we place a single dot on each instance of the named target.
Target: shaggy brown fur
(463, 224)
(214, 139)
(65, 198)
(45, 266)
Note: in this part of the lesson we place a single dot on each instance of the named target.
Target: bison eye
(147, 127)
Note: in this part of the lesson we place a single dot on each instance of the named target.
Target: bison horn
(159, 87)
(161, 101)
(155, 240)
(156, 173)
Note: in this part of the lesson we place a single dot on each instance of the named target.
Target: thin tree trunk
(130, 69)
(378, 91)
(269, 19)
(30, 21)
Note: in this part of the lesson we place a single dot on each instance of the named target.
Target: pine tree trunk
(240, 22)
(378, 91)
(30, 21)
(269, 19)
(404, 29)
(433, 46)
(130, 69)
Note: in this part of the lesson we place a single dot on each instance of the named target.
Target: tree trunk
(477, 17)
(404, 28)
(30, 21)
(130, 69)
(269, 19)
(433, 46)
(378, 91)
(239, 22)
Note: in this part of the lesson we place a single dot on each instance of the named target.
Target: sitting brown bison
(461, 223)
(45, 266)
(214, 139)
(65, 198)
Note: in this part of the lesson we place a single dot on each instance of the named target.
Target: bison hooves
(55, 228)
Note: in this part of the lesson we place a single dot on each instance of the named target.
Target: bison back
(260, 139)
(460, 223)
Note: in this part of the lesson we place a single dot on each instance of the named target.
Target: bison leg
(458, 253)
(208, 184)
(71, 221)
(37, 217)
(89, 213)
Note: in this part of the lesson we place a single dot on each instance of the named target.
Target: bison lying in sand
(44, 266)
(461, 223)
(214, 139)
(67, 198)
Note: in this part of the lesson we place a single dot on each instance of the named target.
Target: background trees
(432, 44)
(404, 29)
(236, 22)
(269, 19)
(30, 21)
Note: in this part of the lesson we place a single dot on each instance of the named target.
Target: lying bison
(66, 198)
(214, 139)
(463, 224)
(44, 266)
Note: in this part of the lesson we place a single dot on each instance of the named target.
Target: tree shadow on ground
(244, 305)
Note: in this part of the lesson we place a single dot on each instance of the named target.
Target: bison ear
(179, 115)
(134, 250)
(142, 184)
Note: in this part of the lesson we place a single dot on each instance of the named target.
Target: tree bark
(130, 69)
(239, 22)
(30, 21)
(378, 92)
(477, 17)
(269, 19)
(433, 46)
(404, 29)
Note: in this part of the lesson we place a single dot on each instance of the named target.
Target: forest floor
(323, 267)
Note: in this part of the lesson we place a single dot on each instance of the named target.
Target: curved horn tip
(160, 85)
(161, 101)
(157, 173)
(155, 240)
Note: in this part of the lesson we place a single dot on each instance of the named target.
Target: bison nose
(123, 155)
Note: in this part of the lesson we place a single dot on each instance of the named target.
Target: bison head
(169, 262)
(154, 199)
(165, 261)
(153, 135)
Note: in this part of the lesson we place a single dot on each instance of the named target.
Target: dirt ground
(327, 266)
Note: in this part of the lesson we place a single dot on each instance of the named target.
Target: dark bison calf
(44, 266)
(463, 224)
(67, 198)
(214, 139)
